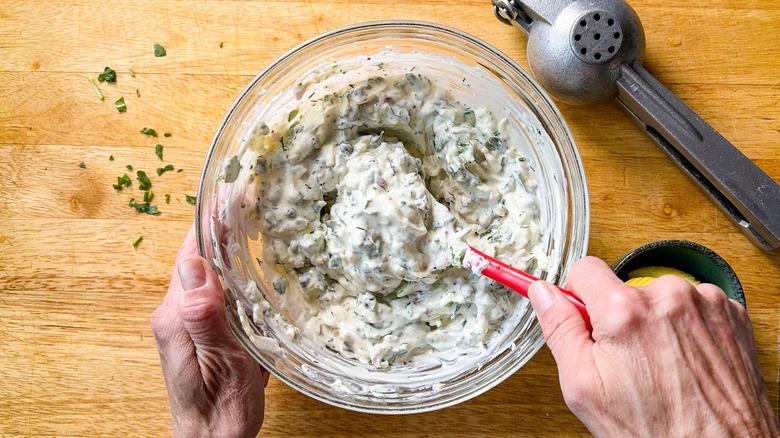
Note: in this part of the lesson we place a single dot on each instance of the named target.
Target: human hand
(214, 386)
(666, 359)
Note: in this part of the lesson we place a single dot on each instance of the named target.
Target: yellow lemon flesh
(640, 281)
(646, 275)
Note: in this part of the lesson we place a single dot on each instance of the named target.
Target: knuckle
(673, 297)
(157, 320)
(582, 268)
(198, 310)
(713, 293)
(626, 311)
(578, 396)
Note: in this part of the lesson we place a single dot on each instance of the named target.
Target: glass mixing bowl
(472, 69)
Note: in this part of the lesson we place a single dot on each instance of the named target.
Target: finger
(166, 323)
(589, 278)
(564, 329)
(189, 247)
(265, 375)
(202, 305)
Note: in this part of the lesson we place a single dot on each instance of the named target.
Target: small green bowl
(697, 260)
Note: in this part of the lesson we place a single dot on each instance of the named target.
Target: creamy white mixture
(361, 189)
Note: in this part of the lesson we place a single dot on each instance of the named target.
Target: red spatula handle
(518, 280)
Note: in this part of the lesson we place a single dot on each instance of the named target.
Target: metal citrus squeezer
(589, 51)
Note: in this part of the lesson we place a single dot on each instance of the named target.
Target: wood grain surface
(76, 353)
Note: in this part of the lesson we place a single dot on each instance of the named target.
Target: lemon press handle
(744, 192)
(590, 51)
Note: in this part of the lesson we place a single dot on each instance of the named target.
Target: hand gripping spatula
(589, 51)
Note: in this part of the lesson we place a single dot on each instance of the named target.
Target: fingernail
(541, 295)
(192, 274)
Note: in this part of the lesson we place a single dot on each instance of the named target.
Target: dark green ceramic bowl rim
(701, 262)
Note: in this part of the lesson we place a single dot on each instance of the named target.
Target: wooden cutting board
(76, 353)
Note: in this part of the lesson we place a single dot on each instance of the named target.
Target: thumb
(202, 304)
(564, 329)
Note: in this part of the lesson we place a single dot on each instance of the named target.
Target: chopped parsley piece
(159, 50)
(220, 44)
(145, 184)
(279, 286)
(149, 131)
(158, 150)
(191, 199)
(129, 167)
(120, 105)
(110, 158)
(137, 240)
(167, 134)
(132, 73)
(82, 165)
(144, 208)
(179, 170)
(137, 93)
(122, 181)
(160, 170)
(108, 75)
(97, 90)
(259, 262)
(148, 195)
(167, 198)
(292, 115)
(521, 159)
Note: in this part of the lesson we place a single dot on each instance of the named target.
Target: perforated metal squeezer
(589, 51)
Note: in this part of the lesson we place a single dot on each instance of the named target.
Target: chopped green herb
(521, 159)
(110, 158)
(179, 170)
(144, 183)
(129, 167)
(137, 93)
(148, 195)
(120, 105)
(220, 44)
(158, 150)
(97, 90)
(361, 228)
(149, 131)
(259, 262)
(167, 198)
(82, 165)
(108, 75)
(160, 170)
(292, 115)
(167, 134)
(132, 73)
(191, 199)
(122, 181)
(144, 208)
(279, 286)
(137, 240)
(159, 50)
